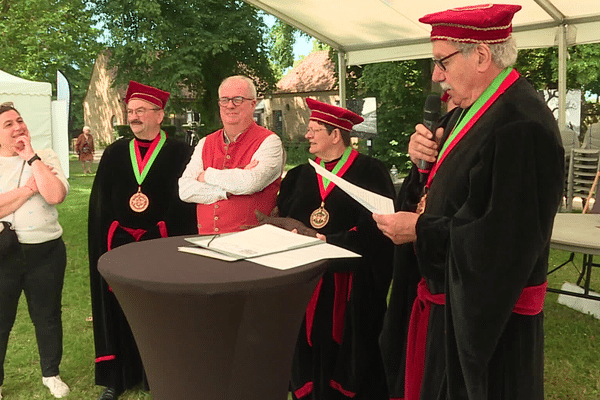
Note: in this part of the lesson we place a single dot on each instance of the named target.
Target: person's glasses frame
(236, 100)
(313, 131)
(141, 111)
(440, 62)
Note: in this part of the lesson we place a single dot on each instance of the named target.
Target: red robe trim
(340, 389)
(530, 302)
(343, 286)
(135, 233)
(106, 358)
(310, 311)
(304, 390)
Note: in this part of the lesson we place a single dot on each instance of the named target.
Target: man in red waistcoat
(481, 243)
(235, 170)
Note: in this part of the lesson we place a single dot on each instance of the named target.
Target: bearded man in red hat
(134, 197)
(337, 353)
(480, 243)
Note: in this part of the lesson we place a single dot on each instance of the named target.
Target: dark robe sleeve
(406, 276)
(285, 196)
(403, 291)
(101, 214)
(180, 217)
(360, 240)
(495, 243)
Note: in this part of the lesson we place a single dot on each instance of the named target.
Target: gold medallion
(422, 204)
(320, 217)
(139, 201)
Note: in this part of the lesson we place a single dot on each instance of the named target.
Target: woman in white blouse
(31, 184)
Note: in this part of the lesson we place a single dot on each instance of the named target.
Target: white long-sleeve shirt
(35, 221)
(271, 160)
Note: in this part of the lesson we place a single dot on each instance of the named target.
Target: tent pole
(562, 76)
(342, 77)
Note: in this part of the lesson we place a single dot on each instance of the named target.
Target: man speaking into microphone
(481, 242)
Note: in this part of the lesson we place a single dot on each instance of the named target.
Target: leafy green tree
(40, 37)
(540, 66)
(281, 42)
(400, 88)
(186, 47)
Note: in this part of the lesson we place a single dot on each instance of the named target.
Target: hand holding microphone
(431, 113)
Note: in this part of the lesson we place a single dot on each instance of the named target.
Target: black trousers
(39, 271)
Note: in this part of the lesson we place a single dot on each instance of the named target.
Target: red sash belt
(531, 302)
(135, 233)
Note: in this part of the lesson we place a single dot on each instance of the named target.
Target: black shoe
(109, 394)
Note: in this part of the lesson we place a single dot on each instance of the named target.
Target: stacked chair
(581, 164)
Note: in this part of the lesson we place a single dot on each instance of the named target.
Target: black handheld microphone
(431, 113)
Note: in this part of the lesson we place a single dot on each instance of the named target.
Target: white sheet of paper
(206, 253)
(284, 260)
(306, 255)
(373, 202)
(254, 242)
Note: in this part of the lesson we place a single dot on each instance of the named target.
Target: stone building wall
(293, 110)
(102, 106)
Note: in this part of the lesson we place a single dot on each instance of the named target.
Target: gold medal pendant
(422, 204)
(139, 201)
(320, 217)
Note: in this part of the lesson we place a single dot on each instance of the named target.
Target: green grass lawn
(572, 338)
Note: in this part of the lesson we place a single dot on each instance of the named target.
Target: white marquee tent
(34, 102)
(45, 119)
(370, 31)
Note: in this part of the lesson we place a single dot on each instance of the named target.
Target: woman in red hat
(337, 354)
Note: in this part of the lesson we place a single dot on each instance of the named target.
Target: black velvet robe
(114, 184)
(484, 237)
(328, 369)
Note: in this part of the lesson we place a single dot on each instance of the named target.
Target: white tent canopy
(46, 120)
(34, 102)
(370, 31)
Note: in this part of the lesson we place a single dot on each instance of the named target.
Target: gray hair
(249, 82)
(504, 54)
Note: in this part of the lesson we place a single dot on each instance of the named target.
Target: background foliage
(540, 66)
(40, 37)
(186, 47)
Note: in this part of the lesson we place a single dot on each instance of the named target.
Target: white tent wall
(33, 100)
(60, 133)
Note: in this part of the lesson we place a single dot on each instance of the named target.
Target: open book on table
(259, 241)
(266, 245)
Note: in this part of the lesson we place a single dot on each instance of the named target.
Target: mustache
(135, 121)
(445, 86)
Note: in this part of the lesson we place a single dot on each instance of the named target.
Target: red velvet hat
(485, 23)
(333, 115)
(150, 94)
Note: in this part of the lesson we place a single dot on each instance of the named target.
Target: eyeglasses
(141, 111)
(237, 100)
(313, 131)
(440, 62)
